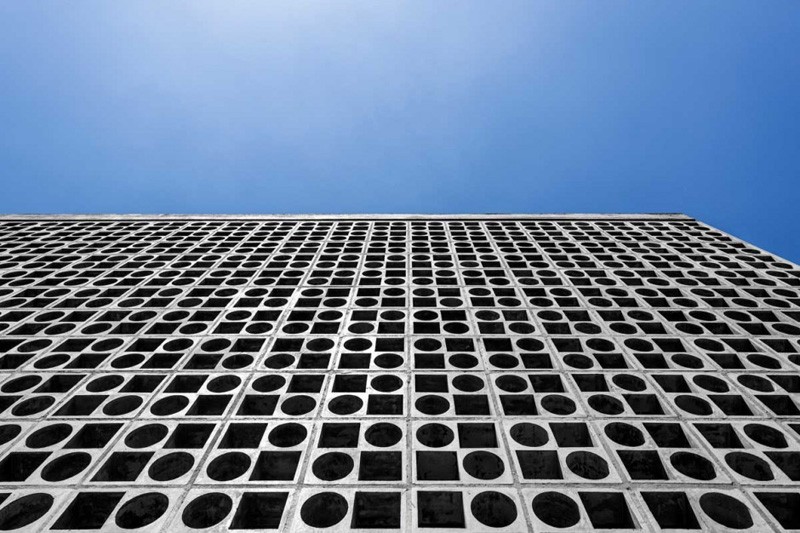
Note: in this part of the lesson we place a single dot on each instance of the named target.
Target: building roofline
(359, 216)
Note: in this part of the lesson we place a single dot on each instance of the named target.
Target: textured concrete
(395, 373)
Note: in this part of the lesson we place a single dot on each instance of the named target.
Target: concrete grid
(397, 373)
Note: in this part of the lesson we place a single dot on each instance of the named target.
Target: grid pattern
(395, 373)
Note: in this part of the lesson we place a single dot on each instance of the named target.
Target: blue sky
(413, 106)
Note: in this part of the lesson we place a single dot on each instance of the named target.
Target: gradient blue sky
(414, 106)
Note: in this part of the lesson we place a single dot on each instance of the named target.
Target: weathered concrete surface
(395, 372)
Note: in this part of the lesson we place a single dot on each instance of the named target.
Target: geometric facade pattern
(395, 373)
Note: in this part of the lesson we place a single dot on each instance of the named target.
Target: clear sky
(408, 106)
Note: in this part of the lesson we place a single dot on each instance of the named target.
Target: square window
(306, 383)
(81, 405)
(671, 510)
(546, 382)
(339, 435)
(354, 360)
(314, 360)
(93, 436)
(477, 435)
(429, 360)
(783, 506)
(430, 383)
(243, 435)
(719, 435)
(189, 436)
(260, 510)
(350, 383)
(437, 466)
(644, 404)
(209, 405)
(607, 510)
(258, 405)
(471, 404)
(644, 464)
(18, 466)
(440, 509)
(571, 434)
(385, 404)
(123, 466)
(380, 466)
(60, 384)
(275, 466)
(536, 360)
(89, 510)
(518, 404)
(376, 510)
(143, 383)
(539, 464)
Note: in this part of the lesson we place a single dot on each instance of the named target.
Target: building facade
(398, 373)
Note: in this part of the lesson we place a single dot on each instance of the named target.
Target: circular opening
(228, 466)
(142, 510)
(346, 404)
(587, 465)
(357, 345)
(127, 360)
(20, 384)
(237, 361)
(171, 466)
(48, 436)
(693, 405)
(224, 383)
(629, 382)
(279, 361)
(606, 404)
(383, 434)
(556, 509)
(9, 432)
(692, 465)
(726, 510)
(468, 383)
(170, 405)
(435, 435)
(33, 405)
(432, 404)
(105, 383)
(332, 466)
(687, 361)
(207, 510)
(503, 360)
(749, 466)
(711, 383)
(145, 436)
(463, 360)
(269, 383)
(512, 383)
(51, 361)
(66, 466)
(427, 345)
(387, 383)
(298, 405)
(388, 360)
(25, 511)
(624, 434)
(756, 383)
(288, 435)
(324, 510)
(578, 361)
(123, 405)
(483, 465)
(494, 509)
(765, 435)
